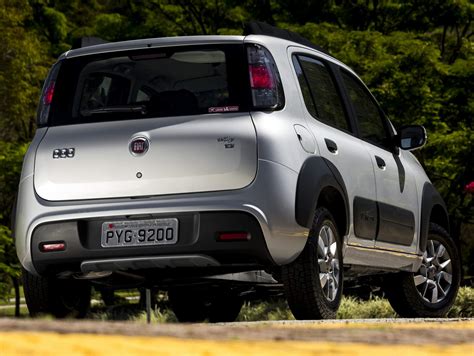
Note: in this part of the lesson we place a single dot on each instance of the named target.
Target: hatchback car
(215, 167)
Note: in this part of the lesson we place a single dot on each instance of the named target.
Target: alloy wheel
(434, 278)
(328, 262)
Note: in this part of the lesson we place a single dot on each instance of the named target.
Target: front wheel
(431, 291)
(313, 282)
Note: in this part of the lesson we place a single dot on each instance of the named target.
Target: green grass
(353, 308)
(6, 299)
(10, 312)
(464, 305)
(158, 316)
(276, 309)
(132, 312)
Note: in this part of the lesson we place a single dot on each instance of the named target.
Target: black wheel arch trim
(316, 174)
(431, 199)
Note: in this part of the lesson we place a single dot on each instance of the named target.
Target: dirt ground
(442, 332)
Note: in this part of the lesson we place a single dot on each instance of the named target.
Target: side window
(371, 121)
(319, 91)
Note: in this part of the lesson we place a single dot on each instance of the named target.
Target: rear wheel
(431, 291)
(61, 298)
(313, 282)
(192, 305)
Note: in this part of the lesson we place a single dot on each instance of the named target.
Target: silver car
(215, 167)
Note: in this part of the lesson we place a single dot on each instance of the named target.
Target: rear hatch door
(148, 122)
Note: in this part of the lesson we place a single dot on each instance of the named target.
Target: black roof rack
(87, 41)
(262, 28)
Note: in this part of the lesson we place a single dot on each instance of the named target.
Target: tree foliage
(23, 65)
(11, 156)
(415, 55)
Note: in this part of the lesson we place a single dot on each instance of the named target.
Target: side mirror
(411, 137)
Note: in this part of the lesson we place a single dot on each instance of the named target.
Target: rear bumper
(197, 234)
(269, 201)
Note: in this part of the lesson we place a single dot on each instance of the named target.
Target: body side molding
(366, 217)
(396, 225)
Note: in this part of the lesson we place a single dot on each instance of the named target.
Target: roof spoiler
(87, 41)
(262, 28)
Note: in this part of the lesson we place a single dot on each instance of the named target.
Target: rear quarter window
(319, 91)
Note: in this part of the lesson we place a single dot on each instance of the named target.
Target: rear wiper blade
(140, 109)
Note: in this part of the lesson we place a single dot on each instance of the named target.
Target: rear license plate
(139, 233)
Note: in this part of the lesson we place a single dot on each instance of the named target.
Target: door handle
(331, 145)
(380, 162)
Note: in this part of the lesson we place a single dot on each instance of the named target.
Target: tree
(22, 69)
(23, 66)
(11, 156)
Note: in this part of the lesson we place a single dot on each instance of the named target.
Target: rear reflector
(233, 236)
(53, 246)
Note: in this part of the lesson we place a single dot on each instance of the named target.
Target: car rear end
(146, 159)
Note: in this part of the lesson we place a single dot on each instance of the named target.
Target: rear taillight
(260, 77)
(47, 96)
(265, 83)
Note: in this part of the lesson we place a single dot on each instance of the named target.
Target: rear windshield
(150, 83)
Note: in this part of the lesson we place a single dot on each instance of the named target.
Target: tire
(313, 282)
(431, 291)
(61, 298)
(36, 290)
(192, 305)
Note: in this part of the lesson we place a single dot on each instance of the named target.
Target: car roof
(151, 43)
(196, 40)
